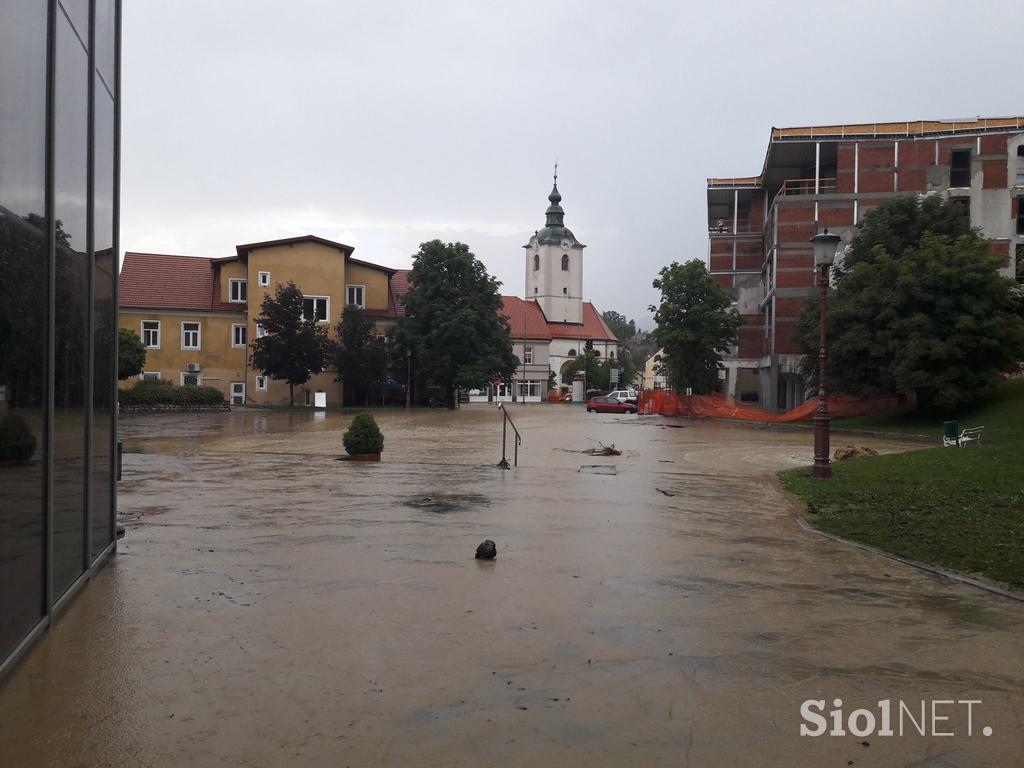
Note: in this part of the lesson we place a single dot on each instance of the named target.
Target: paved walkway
(271, 606)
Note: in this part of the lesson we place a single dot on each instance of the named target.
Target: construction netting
(667, 403)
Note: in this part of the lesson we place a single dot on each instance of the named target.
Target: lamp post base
(822, 462)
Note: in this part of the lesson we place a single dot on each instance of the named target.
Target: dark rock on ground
(486, 551)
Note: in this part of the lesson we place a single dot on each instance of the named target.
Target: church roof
(554, 230)
(593, 327)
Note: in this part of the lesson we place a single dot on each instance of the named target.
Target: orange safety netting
(667, 403)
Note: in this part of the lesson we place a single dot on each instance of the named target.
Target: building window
(1020, 215)
(597, 353)
(565, 262)
(355, 295)
(263, 280)
(260, 331)
(960, 168)
(190, 337)
(536, 262)
(612, 354)
(527, 355)
(150, 375)
(237, 291)
(151, 334)
(191, 379)
(535, 289)
(565, 291)
(571, 353)
(261, 383)
(316, 308)
(239, 335)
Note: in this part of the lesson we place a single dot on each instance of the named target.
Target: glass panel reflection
(22, 316)
(104, 320)
(72, 302)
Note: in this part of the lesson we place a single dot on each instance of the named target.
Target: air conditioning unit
(193, 367)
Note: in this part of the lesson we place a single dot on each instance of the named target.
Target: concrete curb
(951, 575)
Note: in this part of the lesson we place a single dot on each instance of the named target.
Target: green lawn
(958, 508)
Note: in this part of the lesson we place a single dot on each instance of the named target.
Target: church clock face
(566, 244)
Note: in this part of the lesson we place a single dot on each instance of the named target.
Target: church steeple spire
(555, 214)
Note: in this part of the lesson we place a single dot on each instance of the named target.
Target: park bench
(968, 435)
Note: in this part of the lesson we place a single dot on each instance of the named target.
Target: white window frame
(198, 332)
(235, 281)
(263, 279)
(149, 376)
(197, 374)
(362, 296)
(235, 328)
(142, 328)
(261, 383)
(527, 355)
(327, 313)
(233, 394)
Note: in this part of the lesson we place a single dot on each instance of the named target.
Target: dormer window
(237, 292)
(565, 262)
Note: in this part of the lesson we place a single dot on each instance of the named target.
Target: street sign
(613, 375)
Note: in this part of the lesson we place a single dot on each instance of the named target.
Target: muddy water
(271, 606)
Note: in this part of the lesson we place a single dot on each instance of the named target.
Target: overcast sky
(386, 124)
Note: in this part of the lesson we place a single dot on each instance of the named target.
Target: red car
(610, 405)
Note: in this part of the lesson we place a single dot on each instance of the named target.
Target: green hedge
(163, 392)
(17, 443)
(363, 436)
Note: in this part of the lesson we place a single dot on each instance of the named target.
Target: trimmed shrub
(163, 392)
(363, 436)
(17, 443)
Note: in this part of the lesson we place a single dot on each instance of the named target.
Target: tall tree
(453, 323)
(131, 355)
(696, 324)
(625, 331)
(360, 356)
(917, 306)
(293, 347)
(597, 371)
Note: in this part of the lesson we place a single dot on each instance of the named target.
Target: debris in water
(597, 469)
(662, 490)
(604, 450)
(486, 551)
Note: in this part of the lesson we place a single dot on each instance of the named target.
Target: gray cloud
(386, 124)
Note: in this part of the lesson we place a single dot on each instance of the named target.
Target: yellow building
(652, 376)
(196, 316)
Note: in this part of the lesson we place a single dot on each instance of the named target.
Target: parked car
(607, 404)
(628, 395)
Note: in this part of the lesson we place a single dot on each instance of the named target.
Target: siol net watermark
(892, 717)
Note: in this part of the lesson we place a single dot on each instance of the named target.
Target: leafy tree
(131, 355)
(293, 348)
(597, 371)
(360, 356)
(623, 329)
(933, 317)
(452, 322)
(696, 323)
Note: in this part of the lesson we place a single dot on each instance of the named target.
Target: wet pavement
(272, 606)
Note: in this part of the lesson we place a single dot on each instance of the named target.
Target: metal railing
(806, 187)
(505, 422)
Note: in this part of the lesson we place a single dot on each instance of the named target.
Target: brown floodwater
(272, 606)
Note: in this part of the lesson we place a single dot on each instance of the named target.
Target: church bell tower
(554, 266)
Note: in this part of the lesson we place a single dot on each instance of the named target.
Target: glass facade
(58, 323)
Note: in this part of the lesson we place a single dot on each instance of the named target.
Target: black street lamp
(825, 246)
(408, 378)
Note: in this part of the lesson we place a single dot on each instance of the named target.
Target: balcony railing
(743, 227)
(807, 187)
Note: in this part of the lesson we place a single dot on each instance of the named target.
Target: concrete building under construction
(814, 177)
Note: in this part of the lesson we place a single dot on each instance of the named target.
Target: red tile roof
(525, 318)
(594, 327)
(166, 281)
